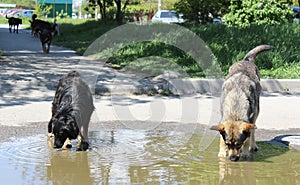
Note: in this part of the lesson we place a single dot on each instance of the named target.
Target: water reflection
(142, 157)
(236, 173)
(69, 168)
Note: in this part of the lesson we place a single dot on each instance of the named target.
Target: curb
(189, 86)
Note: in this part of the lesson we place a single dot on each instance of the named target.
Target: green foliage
(245, 13)
(61, 15)
(87, 7)
(285, 71)
(229, 44)
(201, 11)
(78, 34)
(22, 3)
(41, 9)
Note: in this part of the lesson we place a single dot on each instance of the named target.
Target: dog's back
(82, 102)
(241, 89)
(81, 95)
(38, 25)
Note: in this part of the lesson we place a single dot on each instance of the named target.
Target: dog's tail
(6, 17)
(251, 55)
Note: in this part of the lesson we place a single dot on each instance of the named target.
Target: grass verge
(227, 44)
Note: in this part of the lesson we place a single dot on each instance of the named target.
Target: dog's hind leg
(44, 47)
(48, 48)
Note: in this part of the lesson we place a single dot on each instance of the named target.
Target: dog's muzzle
(58, 143)
(234, 158)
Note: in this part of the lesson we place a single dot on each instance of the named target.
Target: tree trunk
(119, 16)
(102, 9)
(120, 10)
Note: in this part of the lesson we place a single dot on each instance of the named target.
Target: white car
(167, 16)
(74, 16)
(21, 13)
(27, 13)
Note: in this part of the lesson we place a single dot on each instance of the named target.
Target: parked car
(27, 13)
(167, 16)
(296, 10)
(9, 12)
(74, 16)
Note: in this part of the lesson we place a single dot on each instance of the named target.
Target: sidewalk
(29, 77)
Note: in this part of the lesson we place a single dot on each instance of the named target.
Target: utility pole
(159, 5)
(67, 7)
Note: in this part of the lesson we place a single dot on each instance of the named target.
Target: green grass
(227, 44)
(231, 44)
(80, 33)
(268, 150)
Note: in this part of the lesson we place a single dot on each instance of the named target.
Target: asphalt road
(27, 86)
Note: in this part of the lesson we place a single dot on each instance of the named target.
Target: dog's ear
(248, 126)
(220, 127)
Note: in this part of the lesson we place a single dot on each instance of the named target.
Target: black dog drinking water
(72, 108)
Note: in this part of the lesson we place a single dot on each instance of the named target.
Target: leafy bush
(41, 9)
(201, 11)
(245, 13)
(61, 15)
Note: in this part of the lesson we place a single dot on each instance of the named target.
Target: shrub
(245, 13)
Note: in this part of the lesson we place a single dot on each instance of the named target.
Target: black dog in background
(46, 37)
(44, 30)
(72, 108)
(14, 22)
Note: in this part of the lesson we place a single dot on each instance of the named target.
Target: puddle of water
(142, 157)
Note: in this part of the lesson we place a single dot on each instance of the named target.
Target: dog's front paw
(50, 135)
(253, 148)
(222, 154)
(83, 146)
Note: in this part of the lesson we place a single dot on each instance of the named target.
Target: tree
(201, 11)
(120, 10)
(245, 13)
(21, 3)
(103, 5)
(42, 10)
